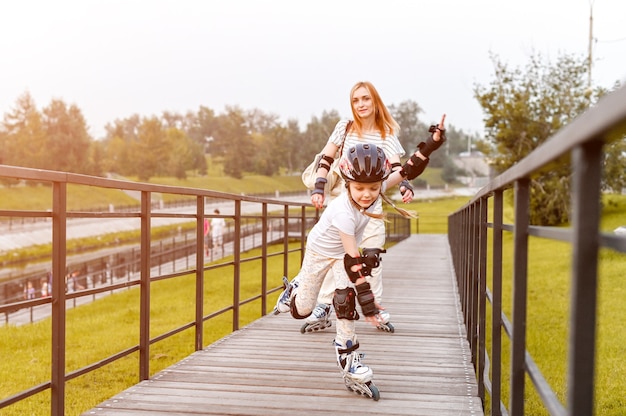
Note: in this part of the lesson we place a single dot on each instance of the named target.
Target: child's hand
(375, 320)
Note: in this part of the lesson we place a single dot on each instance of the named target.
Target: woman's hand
(317, 200)
(440, 127)
(407, 196)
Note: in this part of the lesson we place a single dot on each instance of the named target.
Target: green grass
(111, 324)
(549, 291)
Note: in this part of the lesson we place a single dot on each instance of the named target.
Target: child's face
(365, 194)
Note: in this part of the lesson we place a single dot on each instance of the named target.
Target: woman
(372, 124)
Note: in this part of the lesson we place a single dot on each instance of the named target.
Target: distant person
(29, 291)
(45, 290)
(217, 231)
(207, 237)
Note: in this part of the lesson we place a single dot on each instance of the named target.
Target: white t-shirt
(217, 226)
(339, 215)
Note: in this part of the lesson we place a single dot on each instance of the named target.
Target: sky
(294, 59)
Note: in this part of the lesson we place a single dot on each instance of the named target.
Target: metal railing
(294, 219)
(468, 234)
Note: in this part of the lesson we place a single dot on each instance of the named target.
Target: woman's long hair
(382, 118)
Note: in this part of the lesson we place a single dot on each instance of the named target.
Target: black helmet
(365, 163)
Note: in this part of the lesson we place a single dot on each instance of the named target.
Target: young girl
(336, 237)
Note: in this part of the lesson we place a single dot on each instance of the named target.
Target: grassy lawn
(111, 324)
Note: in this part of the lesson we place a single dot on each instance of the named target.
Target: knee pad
(294, 310)
(344, 302)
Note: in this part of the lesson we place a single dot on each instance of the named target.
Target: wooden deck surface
(270, 368)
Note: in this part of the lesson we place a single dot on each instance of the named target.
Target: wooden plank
(270, 368)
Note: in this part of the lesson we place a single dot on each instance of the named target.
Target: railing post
(286, 241)
(59, 244)
(264, 233)
(482, 295)
(199, 272)
(144, 302)
(587, 163)
(496, 318)
(472, 279)
(520, 288)
(237, 265)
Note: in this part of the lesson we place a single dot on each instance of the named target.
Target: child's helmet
(365, 163)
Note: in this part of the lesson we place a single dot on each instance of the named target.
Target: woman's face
(362, 103)
(365, 194)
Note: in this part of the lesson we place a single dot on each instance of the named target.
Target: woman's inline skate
(318, 320)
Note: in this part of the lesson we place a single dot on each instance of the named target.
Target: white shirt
(217, 226)
(339, 215)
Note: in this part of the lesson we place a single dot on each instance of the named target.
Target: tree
(24, 141)
(314, 138)
(614, 179)
(412, 130)
(68, 143)
(522, 110)
(233, 142)
(151, 151)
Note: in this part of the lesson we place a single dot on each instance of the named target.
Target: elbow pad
(371, 256)
(416, 169)
(349, 261)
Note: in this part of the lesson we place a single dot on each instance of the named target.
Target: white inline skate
(283, 304)
(318, 320)
(356, 376)
(383, 322)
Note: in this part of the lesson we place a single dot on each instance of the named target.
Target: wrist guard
(407, 186)
(371, 256)
(426, 148)
(349, 261)
(366, 299)
(319, 186)
(416, 169)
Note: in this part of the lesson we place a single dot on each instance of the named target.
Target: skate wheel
(375, 392)
(388, 327)
(303, 329)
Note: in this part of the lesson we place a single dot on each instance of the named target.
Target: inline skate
(318, 320)
(356, 376)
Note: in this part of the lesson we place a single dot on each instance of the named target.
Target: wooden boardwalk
(270, 368)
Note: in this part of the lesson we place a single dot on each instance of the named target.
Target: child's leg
(306, 285)
(346, 314)
(310, 278)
